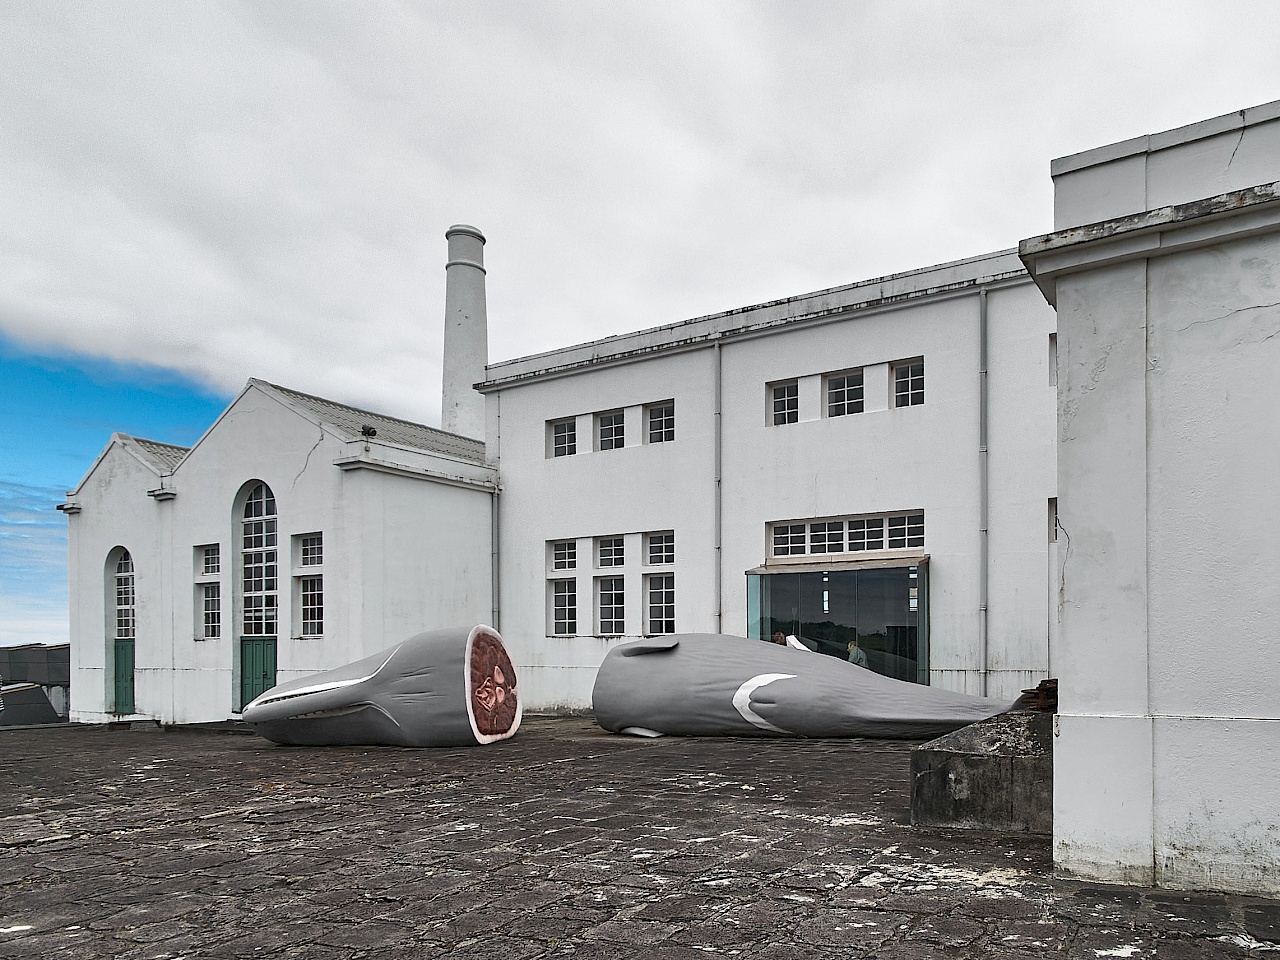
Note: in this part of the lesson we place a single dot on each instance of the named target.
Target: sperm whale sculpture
(445, 688)
(702, 684)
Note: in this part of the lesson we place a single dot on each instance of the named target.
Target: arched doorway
(259, 592)
(123, 626)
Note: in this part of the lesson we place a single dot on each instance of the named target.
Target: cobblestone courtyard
(563, 842)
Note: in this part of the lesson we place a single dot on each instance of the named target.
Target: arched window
(126, 601)
(258, 563)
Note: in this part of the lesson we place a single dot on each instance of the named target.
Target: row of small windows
(658, 423)
(611, 605)
(845, 392)
(656, 548)
(899, 531)
(659, 548)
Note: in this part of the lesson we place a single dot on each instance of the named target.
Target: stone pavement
(563, 842)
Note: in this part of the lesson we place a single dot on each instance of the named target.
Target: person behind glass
(857, 655)
(779, 637)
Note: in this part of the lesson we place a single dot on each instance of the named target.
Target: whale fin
(640, 647)
(742, 700)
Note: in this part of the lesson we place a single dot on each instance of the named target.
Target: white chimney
(466, 333)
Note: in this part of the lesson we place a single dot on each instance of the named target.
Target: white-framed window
(906, 530)
(610, 606)
(610, 552)
(788, 539)
(908, 382)
(311, 595)
(661, 612)
(126, 598)
(258, 563)
(660, 419)
(866, 534)
(210, 559)
(564, 554)
(660, 548)
(851, 534)
(826, 536)
(844, 393)
(311, 550)
(610, 431)
(564, 607)
(210, 595)
(562, 437)
(785, 398)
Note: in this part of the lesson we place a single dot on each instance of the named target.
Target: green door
(257, 666)
(123, 701)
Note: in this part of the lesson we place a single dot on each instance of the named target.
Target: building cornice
(1152, 233)
(364, 462)
(705, 332)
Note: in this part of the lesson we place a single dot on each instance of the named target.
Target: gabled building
(296, 534)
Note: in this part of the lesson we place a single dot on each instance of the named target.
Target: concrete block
(996, 775)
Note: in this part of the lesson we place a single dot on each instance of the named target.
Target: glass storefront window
(877, 618)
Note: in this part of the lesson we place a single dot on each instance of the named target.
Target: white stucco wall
(1200, 160)
(1166, 766)
(115, 512)
(923, 457)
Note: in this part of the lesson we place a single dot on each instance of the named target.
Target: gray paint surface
(703, 684)
(414, 694)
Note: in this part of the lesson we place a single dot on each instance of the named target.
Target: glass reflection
(873, 618)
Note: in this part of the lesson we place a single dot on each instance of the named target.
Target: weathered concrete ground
(564, 842)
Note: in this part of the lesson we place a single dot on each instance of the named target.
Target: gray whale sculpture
(703, 684)
(445, 688)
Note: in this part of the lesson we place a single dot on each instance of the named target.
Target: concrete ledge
(996, 775)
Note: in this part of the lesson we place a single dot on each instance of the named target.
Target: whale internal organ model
(444, 688)
(703, 684)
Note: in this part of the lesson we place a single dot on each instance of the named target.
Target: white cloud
(261, 189)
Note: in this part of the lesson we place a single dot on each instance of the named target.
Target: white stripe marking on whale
(742, 700)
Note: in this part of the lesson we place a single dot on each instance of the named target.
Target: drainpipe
(495, 569)
(984, 490)
(719, 468)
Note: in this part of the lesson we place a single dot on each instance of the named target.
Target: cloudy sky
(201, 192)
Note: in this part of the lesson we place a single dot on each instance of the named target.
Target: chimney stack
(466, 333)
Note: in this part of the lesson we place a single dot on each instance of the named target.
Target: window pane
(564, 438)
(312, 550)
(662, 603)
(908, 384)
(788, 539)
(662, 548)
(844, 394)
(611, 430)
(564, 555)
(827, 537)
(611, 552)
(610, 605)
(662, 423)
(786, 403)
(564, 607)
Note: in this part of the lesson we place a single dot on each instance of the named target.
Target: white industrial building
(870, 463)
(874, 464)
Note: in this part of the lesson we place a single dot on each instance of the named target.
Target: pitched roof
(405, 433)
(163, 456)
